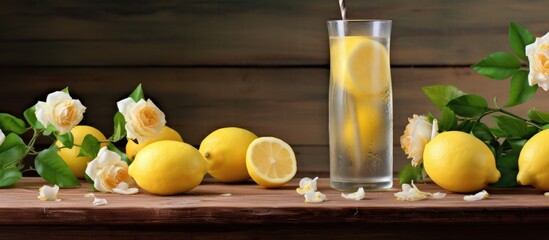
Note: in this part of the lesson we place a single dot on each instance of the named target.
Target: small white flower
(315, 197)
(546, 194)
(358, 195)
(99, 201)
(2, 137)
(61, 111)
(47, 193)
(143, 118)
(306, 184)
(478, 196)
(109, 173)
(538, 60)
(412, 193)
(417, 134)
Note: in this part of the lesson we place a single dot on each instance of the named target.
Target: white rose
(538, 58)
(2, 137)
(109, 173)
(143, 119)
(61, 111)
(417, 134)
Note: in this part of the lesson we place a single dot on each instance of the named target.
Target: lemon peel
(47, 193)
(358, 195)
(99, 201)
(412, 193)
(306, 184)
(477, 197)
(315, 197)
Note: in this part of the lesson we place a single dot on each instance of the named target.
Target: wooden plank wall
(261, 65)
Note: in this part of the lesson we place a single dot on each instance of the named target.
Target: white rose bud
(2, 137)
(538, 58)
(61, 111)
(417, 134)
(143, 118)
(109, 173)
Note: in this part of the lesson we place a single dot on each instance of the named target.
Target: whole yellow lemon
(166, 133)
(168, 167)
(225, 149)
(69, 155)
(459, 162)
(533, 162)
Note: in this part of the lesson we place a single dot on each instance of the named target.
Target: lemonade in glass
(360, 105)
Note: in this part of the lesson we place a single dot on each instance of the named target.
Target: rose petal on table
(358, 195)
(478, 196)
(99, 201)
(47, 193)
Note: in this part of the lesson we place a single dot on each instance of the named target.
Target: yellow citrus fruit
(168, 167)
(533, 162)
(225, 150)
(271, 162)
(78, 164)
(361, 65)
(367, 129)
(166, 133)
(459, 162)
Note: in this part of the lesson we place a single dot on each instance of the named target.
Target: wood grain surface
(252, 204)
(269, 32)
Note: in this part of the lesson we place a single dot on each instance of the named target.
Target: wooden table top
(252, 204)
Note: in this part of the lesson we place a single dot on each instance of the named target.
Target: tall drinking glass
(360, 105)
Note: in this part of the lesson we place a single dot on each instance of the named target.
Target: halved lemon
(270, 162)
(361, 65)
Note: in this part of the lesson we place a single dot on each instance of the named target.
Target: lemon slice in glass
(361, 65)
(270, 162)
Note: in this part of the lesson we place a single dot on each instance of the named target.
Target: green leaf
(508, 178)
(65, 90)
(9, 123)
(30, 116)
(90, 147)
(540, 117)
(119, 127)
(137, 94)
(66, 139)
(545, 127)
(514, 127)
(498, 132)
(122, 155)
(531, 132)
(12, 150)
(499, 65)
(495, 147)
(448, 121)
(516, 144)
(482, 132)
(51, 167)
(49, 130)
(465, 126)
(469, 105)
(9, 176)
(519, 38)
(520, 91)
(409, 173)
(440, 95)
(90, 181)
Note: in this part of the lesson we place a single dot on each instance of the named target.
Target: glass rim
(360, 21)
